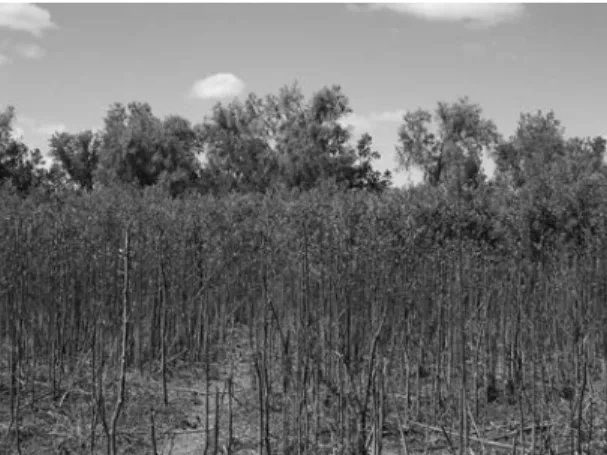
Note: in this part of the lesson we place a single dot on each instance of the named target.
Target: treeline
(250, 146)
(546, 188)
(352, 291)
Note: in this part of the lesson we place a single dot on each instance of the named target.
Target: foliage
(78, 155)
(449, 150)
(352, 295)
(139, 148)
(282, 140)
(20, 167)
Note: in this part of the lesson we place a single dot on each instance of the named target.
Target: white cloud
(32, 51)
(49, 129)
(25, 17)
(388, 116)
(358, 122)
(367, 122)
(4, 60)
(379, 124)
(220, 85)
(36, 134)
(31, 125)
(480, 14)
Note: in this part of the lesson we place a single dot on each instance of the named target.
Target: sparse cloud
(374, 122)
(31, 51)
(356, 121)
(49, 129)
(25, 17)
(388, 116)
(368, 121)
(220, 85)
(31, 125)
(476, 14)
(35, 134)
(4, 60)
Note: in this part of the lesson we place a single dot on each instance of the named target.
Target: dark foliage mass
(153, 238)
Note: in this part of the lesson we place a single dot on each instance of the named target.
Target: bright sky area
(62, 66)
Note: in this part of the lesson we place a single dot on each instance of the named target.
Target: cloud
(25, 17)
(388, 116)
(31, 125)
(369, 121)
(479, 14)
(49, 129)
(358, 122)
(32, 51)
(220, 85)
(4, 60)
(35, 134)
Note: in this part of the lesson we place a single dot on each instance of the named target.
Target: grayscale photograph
(303, 229)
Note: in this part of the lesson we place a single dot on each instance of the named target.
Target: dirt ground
(63, 425)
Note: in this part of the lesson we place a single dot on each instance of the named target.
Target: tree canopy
(546, 186)
(447, 147)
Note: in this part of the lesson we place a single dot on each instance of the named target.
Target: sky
(63, 65)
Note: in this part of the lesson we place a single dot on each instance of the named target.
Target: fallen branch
(488, 442)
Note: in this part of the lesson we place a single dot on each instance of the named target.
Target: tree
(449, 149)
(361, 174)
(6, 120)
(558, 182)
(535, 146)
(139, 148)
(18, 164)
(317, 145)
(282, 139)
(180, 168)
(236, 143)
(78, 155)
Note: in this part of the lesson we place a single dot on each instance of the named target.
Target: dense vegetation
(371, 314)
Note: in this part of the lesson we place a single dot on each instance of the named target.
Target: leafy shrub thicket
(331, 285)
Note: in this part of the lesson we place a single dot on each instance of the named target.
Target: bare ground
(62, 425)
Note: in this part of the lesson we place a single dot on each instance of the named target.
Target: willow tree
(448, 145)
